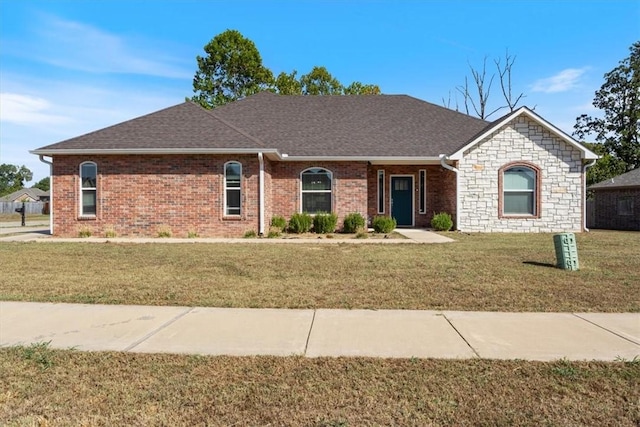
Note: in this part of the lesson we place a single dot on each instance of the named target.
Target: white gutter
(584, 193)
(50, 192)
(261, 196)
(443, 160)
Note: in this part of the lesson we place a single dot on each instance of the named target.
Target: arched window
(520, 190)
(232, 188)
(316, 190)
(88, 188)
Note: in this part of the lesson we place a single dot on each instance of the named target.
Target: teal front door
(402, 200)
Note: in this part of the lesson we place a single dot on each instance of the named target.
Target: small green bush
(110, 233)
(274, 233)
(84, 232)
(250, 234)
(383, 224)
(192, 234)
(325, 223)
(279, 222)
(353, 222)
(300, 223)
(164, 231)
(441, 221)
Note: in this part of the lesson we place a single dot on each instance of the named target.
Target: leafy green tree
(319, 81)
(13, 178)
(357, 88)
(43, 184)
(231, 69)
(287, 84)
(607, 166)
(619, 101)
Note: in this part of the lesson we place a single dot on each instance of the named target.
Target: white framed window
(381, 191)
(232, 188)
(519, 191)
(88, 188)
(422, 191)
(316, 190)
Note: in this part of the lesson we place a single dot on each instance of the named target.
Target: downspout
(50, 192)
(261, 196)
(584, 192)
(443, 162)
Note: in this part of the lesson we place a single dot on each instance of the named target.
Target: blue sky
(70, 67)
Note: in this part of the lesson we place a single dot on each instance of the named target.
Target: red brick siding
(440, 190)
(138, 194)
(606, 209)
(349, 187)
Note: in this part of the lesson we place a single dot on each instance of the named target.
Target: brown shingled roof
(183, 126)
(626, 180)
(317, 126)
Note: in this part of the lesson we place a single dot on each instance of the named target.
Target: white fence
(30, 207)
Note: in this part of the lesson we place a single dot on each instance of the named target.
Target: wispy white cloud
(82, 47)
(563, 81)
(28, 110)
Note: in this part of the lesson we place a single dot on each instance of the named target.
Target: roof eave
(130, 151)
(274, 154)
(586, 153)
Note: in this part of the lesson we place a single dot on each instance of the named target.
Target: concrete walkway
(317, 333)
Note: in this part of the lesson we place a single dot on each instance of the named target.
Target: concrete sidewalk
(322, 332)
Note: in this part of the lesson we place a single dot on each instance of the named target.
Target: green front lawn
(488, 272)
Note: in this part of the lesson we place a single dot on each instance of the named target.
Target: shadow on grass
(539, 264)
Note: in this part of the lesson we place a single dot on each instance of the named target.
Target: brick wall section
(140, 195)
(561, 195)
(349, 187)
(137, 195)
(440, 190)
(606, 209)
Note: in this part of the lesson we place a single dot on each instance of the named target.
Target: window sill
(519, 216)
(232, 218)
(87, 218)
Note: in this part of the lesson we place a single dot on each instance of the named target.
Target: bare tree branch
(505, 80)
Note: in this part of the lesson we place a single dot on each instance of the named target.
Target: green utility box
(566, 251)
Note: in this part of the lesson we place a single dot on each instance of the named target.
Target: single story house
(616, 202)
(27, 195)
(225, 171)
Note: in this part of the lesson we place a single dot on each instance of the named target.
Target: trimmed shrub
(353, 223)
(164, 231)
(383, 224)
(441, 221)
(250, 234)
(279, 222)
(300, 223)
(324, 223)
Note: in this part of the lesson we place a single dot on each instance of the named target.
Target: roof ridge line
(235, 128)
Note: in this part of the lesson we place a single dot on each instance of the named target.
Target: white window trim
(380, 191)
(422, 198)
(239, 189)
(83, 189)
(302, 191)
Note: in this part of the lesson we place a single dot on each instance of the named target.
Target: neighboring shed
(617, 202)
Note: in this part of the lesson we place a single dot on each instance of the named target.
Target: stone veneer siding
(138, 195)
(521, 140)
(606, 209)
